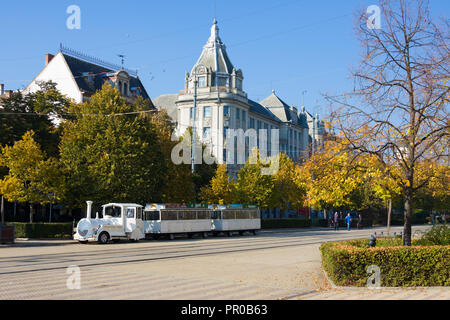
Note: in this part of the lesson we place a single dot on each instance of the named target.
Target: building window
(226, 111)
(202, 82)
(191, 113)
(252, 123)
(206, 133)
(238, 113)
(206, 112)
(244, 116)
(239, 84)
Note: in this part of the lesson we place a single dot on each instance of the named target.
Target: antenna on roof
(94, 60)
(123, 59)
(303, 97)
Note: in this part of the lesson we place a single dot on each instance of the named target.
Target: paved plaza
(278, 264)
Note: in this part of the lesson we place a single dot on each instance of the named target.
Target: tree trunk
(389, 217)
(31, 213)
(408, 211)
(2, 209)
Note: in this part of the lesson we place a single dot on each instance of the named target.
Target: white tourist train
(130, 221)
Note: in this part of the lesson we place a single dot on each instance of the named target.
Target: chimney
(89, 210)
(2, 89)
(48, 58)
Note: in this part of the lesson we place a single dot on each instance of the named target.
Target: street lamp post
(194, 131)
(51, 196)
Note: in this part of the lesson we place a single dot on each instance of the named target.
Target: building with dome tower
(217, 87)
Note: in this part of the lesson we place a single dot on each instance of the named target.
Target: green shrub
(42, 230)
(346, 263)
(285, 223)
(438, 235)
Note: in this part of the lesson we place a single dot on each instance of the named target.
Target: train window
(152, 215)
(138, 213)
(113, 211)
(229, 215)
(241, 214)
(190, 215)
(169, 215)
(202, 215)
(130, 212)
(255, 214)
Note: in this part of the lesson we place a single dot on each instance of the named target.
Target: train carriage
(172, 220)
(235, 218)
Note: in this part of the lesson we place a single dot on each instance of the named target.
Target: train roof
(123, 205)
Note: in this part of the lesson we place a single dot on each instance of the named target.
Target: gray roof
(283, 111)
(260, 109)
(168, 103)
(79, 68)
(214, 54)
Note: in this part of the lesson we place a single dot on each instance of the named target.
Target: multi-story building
(222, 104)
(79, 76)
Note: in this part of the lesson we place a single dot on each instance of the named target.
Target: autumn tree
(287, 193)
(111, 151)
(34, 111)
(253, 187)
(221, 188)
(401, 94)
(330, 178)
(31, 177)
(178, 182)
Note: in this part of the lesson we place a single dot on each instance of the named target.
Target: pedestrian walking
(360, 219)
(432, 218)
(336, 221)
(348, 219)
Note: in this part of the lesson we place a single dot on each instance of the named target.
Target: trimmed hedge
(42, 230)
(346, 263)
(285, 223)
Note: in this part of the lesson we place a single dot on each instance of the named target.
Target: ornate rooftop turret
(214, 65)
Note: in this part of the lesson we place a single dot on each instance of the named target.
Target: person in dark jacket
(336, 221)
(359, 225)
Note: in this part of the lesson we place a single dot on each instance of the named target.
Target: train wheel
(171, 236)
(254, 232)
(241, 233)
(205, 235)
(229, 233)
(103, 238)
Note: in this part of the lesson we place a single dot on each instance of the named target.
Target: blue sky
(286, 45)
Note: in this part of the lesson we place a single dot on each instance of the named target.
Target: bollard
(372, 241)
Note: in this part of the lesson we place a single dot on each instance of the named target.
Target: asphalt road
(278, 264)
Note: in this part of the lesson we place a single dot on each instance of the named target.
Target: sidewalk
(24, 242)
